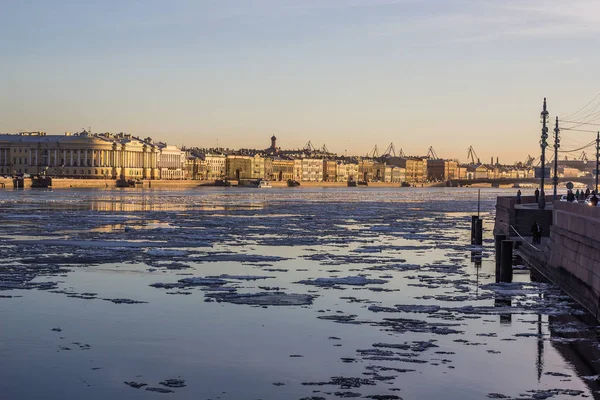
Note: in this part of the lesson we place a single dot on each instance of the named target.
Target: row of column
(170, 161)
(81, 157)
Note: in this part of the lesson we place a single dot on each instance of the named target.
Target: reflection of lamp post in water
(543, 145)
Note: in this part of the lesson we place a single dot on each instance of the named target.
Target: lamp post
(543, 145)
(556, 147)
(597, 159)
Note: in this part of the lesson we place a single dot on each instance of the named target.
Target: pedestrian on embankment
(536, 233)
(537, 195)
(519, 196)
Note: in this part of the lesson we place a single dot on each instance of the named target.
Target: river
(295, 293)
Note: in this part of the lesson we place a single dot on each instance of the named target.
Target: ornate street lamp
(543, 145)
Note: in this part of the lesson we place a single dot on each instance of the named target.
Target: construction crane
(583, 157)
(375, 152)
(324, 149)
(401, 154)
(391, 150)
(431, 154)
(473, 155)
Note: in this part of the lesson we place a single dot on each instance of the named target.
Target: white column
(71, 156)
(55, 157)
(30, 152)
(85, 160)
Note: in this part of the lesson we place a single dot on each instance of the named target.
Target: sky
(350, 74)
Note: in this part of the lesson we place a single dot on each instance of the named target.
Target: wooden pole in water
(479, 232)
(506, 272)
(474, 219)
(499, 238)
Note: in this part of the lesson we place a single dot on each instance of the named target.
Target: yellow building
(79, 155)
(241, 167)
(329, 170)
(282, 169)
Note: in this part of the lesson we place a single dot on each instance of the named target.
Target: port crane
(473, 155)
(308, 147)
(431, 154)
(374, 153)
(390, 151)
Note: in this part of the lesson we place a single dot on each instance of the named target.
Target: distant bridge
(589, 181)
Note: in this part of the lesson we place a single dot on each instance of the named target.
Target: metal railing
(524, 240)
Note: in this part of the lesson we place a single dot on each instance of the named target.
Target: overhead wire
(593, 143)
(577, 130)
(583, 108)
(578, 122)
(587, 119)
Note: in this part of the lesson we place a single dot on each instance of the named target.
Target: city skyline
(350, 74)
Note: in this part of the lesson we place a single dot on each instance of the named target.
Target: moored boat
(18, 182)
(222, 182)
(41, 182)
(125, 183)
(293, 183)
(264, 184)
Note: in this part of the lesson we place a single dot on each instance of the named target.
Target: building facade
(312, 169)
(171, 162)
(346, 172)
(283, 169)
(240, 167)
(215, 166)
(79, 155)
(329, 170)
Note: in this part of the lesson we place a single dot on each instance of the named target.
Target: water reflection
(576, 340)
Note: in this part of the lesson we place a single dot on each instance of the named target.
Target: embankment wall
(574, 252)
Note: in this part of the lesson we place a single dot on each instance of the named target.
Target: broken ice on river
(288, 294)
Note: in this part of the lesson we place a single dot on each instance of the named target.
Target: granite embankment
(570, 257)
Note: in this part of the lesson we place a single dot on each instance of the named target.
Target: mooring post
(474, 219)
(506, 251)
(499, 238)
(479, 232)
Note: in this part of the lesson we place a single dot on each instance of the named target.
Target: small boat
(222, 182)
(293, 183)
(351, 183)
(41, 182)
(128, 183)
(18, 182)
(264, 184)
(363, 183)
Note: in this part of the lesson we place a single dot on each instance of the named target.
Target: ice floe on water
(348, 280)
(420, 304)
(263, 299)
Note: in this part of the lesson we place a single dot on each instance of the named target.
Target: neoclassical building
(85, 155)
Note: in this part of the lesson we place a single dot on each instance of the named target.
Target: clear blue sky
(350, 74)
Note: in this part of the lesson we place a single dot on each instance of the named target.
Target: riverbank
(65, 183)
